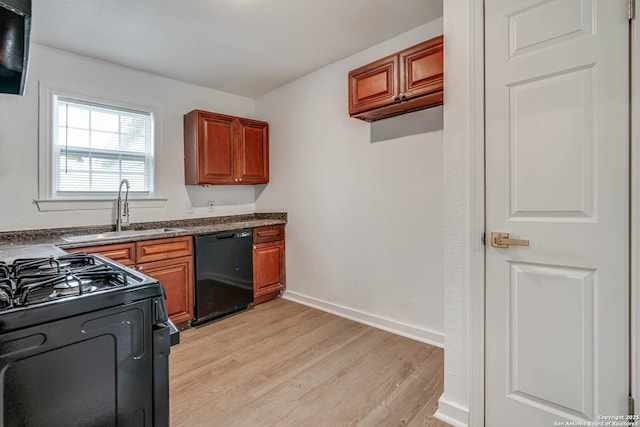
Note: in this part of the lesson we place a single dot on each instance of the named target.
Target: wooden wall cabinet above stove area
(409, 80)
(221, 149)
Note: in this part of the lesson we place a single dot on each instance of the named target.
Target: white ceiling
(247, 47)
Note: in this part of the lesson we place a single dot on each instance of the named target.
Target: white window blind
(96, 146)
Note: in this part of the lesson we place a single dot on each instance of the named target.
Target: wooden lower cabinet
(168, 260)
(176, 276)
(268, 270)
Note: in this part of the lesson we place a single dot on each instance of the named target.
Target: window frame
(146, 156)
(48, 199)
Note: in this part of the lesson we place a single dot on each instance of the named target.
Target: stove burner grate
(6, 294)
(5, 273)
(49, 265)
(33, 280)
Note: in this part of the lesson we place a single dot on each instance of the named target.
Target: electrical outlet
(211, 206)
(189, 208)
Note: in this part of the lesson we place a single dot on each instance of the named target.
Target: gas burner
(72, 287)
(71, 283)
(49, 269)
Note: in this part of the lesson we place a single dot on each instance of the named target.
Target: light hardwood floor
(285, 364)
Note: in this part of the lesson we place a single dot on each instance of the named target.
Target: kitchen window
(95, 146)
(88, 147)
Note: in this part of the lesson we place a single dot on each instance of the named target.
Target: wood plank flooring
(285, 364)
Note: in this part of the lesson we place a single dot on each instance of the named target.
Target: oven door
(94, 369)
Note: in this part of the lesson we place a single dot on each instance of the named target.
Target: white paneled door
(557, 175)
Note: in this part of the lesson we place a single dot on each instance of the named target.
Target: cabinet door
(421, 69)
(252, 156)
(268, 267)
(176, 277)
(216, 139)
(373, 85)
(123, 253)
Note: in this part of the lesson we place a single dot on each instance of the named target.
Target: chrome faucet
(120, 213)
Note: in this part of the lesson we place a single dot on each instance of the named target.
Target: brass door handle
(502, 240)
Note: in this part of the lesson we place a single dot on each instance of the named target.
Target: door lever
(502, 240)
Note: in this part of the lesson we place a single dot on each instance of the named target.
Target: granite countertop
(9, 253)
(49, 242)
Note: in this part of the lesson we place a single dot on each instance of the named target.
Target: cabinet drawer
(157, 250)
(124, 253)
(269, 233)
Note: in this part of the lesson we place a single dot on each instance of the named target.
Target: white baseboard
(452, 413)
(406, 330)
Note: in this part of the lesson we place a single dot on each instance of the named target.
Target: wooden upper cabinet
(215, 164)
(221, 149)
(373, 85)
(408, 80)
(421, 69)
(252, 158)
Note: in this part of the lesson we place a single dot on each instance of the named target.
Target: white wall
(85, 76)
(462, 403)
(635, 214)
(365, 231)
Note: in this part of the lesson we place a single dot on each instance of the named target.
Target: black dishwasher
(224, 274)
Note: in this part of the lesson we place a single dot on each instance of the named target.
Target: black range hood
(15, 30)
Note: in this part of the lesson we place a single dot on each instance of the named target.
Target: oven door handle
(161, 349)
(174, 333)
(161, 340)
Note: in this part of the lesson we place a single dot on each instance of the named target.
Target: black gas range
(84, 341)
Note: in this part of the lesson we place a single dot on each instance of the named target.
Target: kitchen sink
(119, 234)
